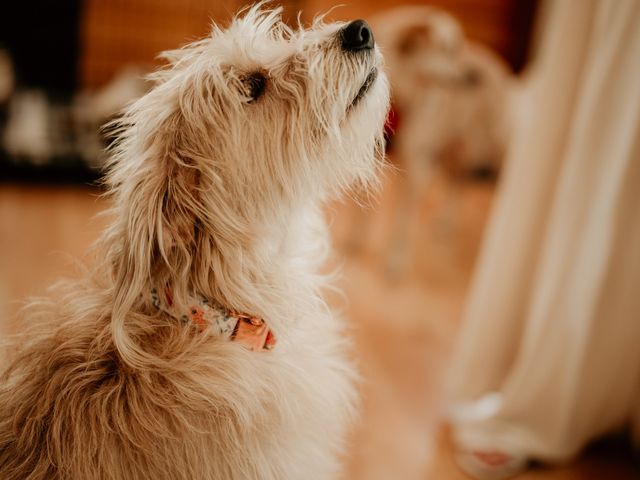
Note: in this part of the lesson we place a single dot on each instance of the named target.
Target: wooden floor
(404, 325)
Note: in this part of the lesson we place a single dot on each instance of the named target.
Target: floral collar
(249, 330)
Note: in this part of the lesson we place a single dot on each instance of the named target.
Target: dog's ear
(157, 204)
(162, 214)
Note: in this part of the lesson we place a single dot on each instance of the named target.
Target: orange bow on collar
(253, 332)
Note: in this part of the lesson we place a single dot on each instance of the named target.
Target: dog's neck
(264, 264)
(283, 263)
(272, 276)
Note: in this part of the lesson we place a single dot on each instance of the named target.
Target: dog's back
(210, 409)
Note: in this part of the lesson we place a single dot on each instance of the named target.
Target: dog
(199, 346)
(450, 92)
(453, 99)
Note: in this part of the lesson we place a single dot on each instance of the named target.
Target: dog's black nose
(357, 36)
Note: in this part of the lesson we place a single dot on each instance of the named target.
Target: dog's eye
(255, 85)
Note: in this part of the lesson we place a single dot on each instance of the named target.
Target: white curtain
(549, 355)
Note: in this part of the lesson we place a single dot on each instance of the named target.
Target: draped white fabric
(549, 355)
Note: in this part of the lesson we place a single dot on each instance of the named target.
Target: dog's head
(263, 112)
(242, 126)
(426, 47)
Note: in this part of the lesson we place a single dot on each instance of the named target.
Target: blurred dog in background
(452, 97)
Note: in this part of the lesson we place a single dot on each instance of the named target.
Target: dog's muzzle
(357, 36)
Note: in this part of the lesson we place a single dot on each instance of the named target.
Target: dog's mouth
(364, 89)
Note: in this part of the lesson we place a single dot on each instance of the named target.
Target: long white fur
(216, 194)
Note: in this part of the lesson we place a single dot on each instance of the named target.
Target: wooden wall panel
(116, 33)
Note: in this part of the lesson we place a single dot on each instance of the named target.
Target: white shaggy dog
(133, 372)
